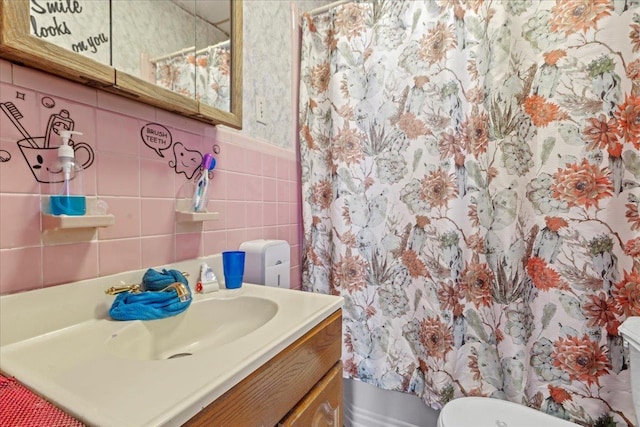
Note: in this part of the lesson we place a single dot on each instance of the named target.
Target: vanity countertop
(54, 341)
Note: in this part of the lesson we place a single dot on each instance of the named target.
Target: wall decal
(15, 115)
(156, 137)
(48, 102)
(57, 123)
(20, 95)
(185, 161)
(40, 151)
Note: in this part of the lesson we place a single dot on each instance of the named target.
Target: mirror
(190, 66)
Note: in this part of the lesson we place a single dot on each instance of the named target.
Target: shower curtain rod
(327, 7)
(188, 49)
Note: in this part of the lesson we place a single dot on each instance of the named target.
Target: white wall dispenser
(267, 262)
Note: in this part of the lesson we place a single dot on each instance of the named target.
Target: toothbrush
(199, 201)
(15, 115)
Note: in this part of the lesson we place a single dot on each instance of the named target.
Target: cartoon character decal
(185, 161)
(39, 151)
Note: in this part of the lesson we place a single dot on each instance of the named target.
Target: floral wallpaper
(471, 183)
(268, 66)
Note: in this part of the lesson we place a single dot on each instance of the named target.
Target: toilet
(630, 331)
(487, 412)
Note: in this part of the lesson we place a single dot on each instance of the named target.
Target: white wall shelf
(184, 216)
(54, 222)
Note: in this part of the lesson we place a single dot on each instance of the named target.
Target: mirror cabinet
(184, 56)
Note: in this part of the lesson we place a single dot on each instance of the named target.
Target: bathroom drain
(177, 355)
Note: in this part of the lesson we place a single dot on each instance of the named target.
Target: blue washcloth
(157, 281)
(151, 304)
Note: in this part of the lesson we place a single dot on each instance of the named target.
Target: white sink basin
(205, 323)
(60, 342)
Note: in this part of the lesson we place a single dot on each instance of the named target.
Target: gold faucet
(181, 290)
(137, 288)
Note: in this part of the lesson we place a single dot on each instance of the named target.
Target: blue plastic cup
(233, 265)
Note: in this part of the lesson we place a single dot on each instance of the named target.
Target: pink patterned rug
(23, 408)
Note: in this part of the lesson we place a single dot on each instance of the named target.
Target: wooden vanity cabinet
(322, 406)
(299, 387)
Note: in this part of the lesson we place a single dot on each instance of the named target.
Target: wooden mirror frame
(19, 46)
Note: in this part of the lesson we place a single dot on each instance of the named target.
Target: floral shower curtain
(471, 188)
(202, 75)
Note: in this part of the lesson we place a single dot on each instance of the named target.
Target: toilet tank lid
(630, 330)
(485, 412)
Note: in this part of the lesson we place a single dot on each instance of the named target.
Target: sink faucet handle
(114, 290)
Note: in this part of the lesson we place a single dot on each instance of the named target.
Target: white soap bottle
(69, 197)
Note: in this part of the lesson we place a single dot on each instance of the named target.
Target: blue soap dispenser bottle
(69, 197)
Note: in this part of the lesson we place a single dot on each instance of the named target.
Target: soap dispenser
(68, 197)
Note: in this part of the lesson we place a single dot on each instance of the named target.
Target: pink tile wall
(254, 188)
